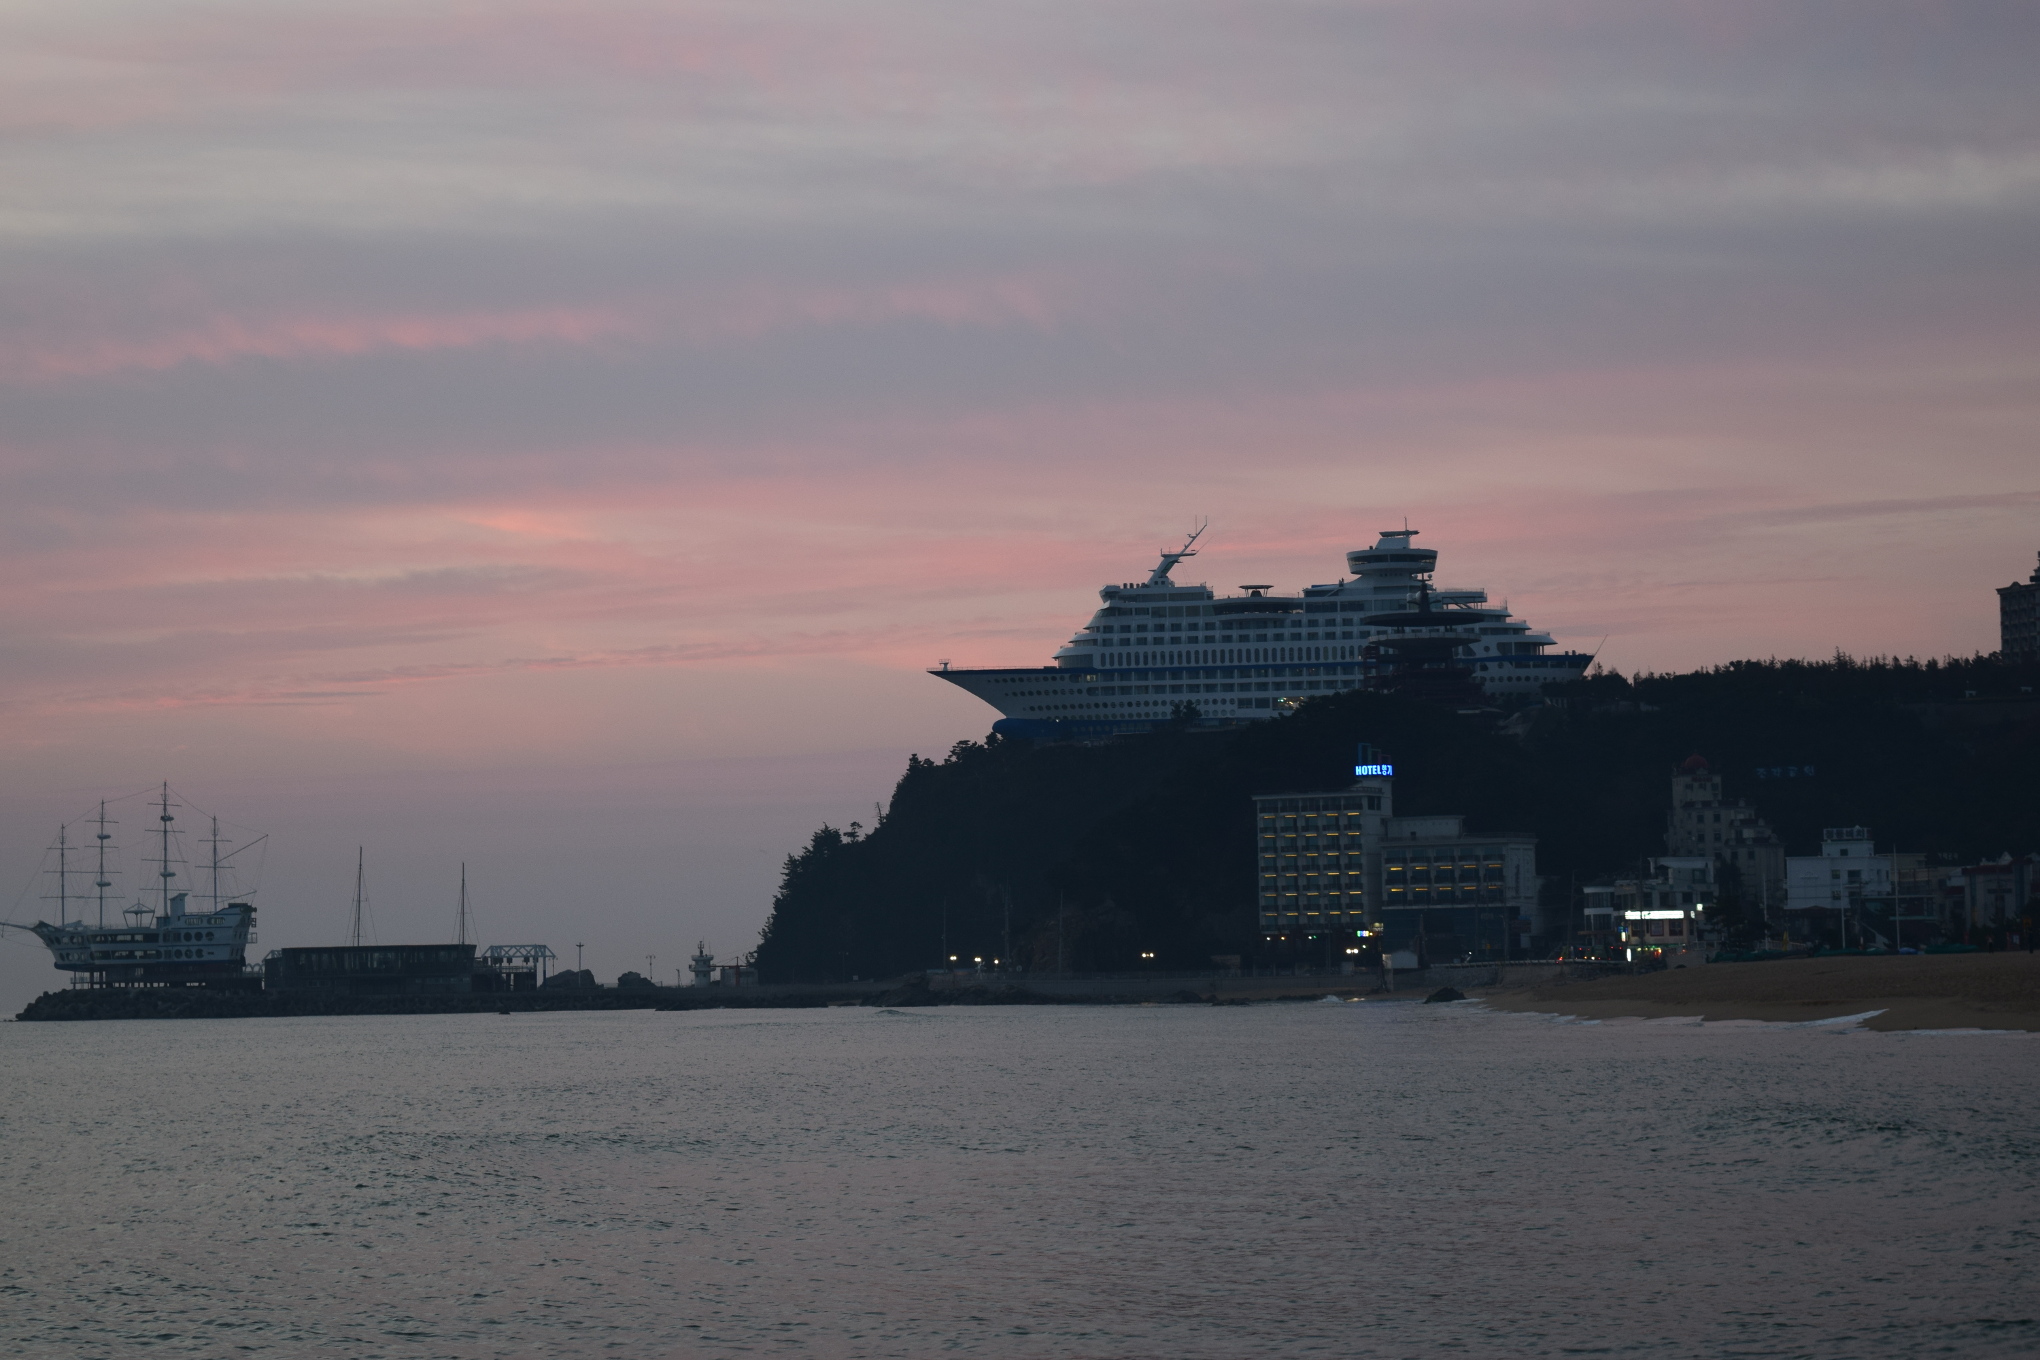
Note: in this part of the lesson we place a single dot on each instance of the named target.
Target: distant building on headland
(1341, 876)
(2019, 619)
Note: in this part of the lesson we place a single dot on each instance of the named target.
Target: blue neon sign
(1384, 771)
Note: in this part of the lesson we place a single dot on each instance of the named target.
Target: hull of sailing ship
(175, 950)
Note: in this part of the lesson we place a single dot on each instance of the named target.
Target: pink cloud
(735, 314)
(226, 339)
(186, 67)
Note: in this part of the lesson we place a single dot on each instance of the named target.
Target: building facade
(1993, 903)
(1705, 822)
(2019, 619)
(1342, 876)
(1827, 895)
(1660, 913)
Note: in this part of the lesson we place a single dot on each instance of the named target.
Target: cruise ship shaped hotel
(1155, 645)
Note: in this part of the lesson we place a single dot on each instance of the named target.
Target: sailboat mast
(100, 880)
(360, 881)
(63, 875)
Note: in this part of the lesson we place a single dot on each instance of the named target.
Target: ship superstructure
(1155, 650)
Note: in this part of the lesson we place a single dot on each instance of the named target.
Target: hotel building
(1342, 875)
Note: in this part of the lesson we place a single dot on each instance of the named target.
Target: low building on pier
(374, 970)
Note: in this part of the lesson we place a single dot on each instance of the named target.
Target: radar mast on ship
(1160, 575)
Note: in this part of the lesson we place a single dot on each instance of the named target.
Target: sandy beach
(1941, 991)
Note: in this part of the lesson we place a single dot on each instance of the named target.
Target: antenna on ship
(360, 894)
(461, 923)
(99, 880)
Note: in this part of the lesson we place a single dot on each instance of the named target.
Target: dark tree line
(1084, 857)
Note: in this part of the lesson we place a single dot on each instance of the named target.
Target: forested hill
(1007, 849)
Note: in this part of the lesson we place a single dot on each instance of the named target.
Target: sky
(558, 437)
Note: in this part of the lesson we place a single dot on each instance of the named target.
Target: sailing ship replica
(179, 942)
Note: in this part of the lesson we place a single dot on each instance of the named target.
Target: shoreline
(1945, 991)
(85, 1005)
(1966, 991)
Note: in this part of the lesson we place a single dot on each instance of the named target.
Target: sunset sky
(559, 436)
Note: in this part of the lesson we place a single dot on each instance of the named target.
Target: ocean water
(1369, 1179)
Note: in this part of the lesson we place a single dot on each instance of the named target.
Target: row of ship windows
(1256, 613)
(1264, 628)
(136, 955)
(1225, 640)
(1293, 689)
(142, 937)
(1141, 637)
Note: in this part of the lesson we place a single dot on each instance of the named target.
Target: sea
(1326, 1178)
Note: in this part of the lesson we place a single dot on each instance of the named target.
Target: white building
(1847, 870)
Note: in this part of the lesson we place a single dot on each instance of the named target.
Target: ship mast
(165, 872)
(1160, 575)
(100, 880)
(214, 841)
(461, 925)
(360, 884)
(63, 874)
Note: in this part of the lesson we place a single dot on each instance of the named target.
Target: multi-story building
(2019, 619)
(1825, 893)
(1705, 822)
(1320, 856)
(1341, 874)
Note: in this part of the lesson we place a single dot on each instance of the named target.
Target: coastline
(1942, 991)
